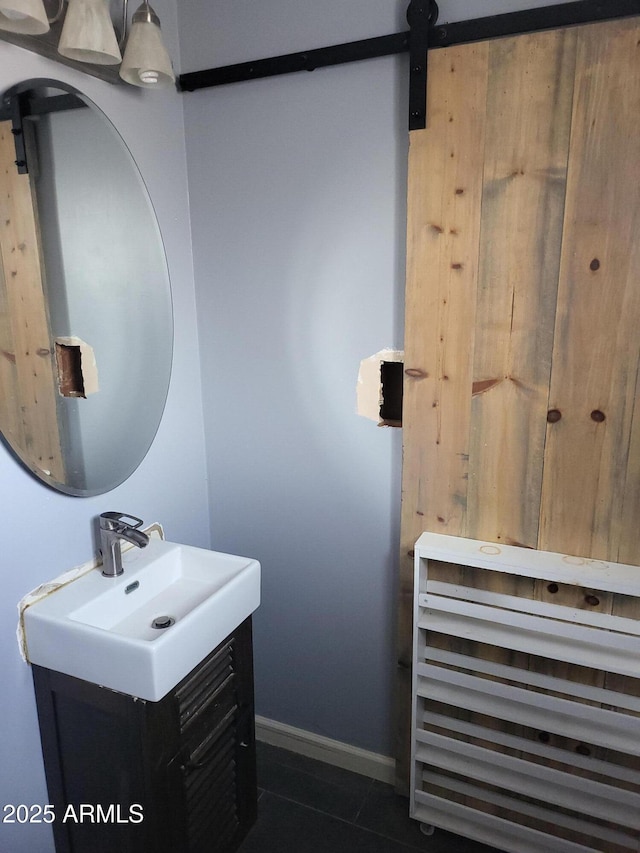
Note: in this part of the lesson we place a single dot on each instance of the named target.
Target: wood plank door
(28, 380)
(522, 344)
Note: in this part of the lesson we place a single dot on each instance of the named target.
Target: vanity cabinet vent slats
(526, 697)
(204, 688)
(209, 785)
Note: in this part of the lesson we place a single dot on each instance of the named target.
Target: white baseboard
(371, 764)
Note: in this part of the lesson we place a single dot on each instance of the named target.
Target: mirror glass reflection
(86, 326)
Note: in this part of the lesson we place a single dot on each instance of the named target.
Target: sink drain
(163, 622)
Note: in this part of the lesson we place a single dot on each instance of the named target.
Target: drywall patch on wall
(379, 387)
(77, 369)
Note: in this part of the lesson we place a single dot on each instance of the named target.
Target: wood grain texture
(534, 436)
(526, 152)
(442, 251)
(444, 226)
(596, 345)
(10, 421)
(29, 410)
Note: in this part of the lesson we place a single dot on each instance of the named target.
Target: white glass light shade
(146, 61)
(88, 34)
(23, 16)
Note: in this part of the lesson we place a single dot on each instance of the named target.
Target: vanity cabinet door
(217, 752)
(174, 776)
(99, 771)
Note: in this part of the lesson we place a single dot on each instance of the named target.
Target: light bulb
(149, 78)
(146, 62)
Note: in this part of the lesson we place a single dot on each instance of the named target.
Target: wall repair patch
(379, 387)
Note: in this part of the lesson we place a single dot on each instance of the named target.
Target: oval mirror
(86, 324)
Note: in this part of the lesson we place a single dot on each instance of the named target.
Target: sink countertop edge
(127, 665)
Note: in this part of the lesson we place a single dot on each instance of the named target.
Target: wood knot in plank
(509, 541)
(416, 373)
(483, 385)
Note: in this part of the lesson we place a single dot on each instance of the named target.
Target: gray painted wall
(297, 188)
(44, 533)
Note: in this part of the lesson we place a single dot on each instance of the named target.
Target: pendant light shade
(88, 34)
(146, 61)
(23, 16)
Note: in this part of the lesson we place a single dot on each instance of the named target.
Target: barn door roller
(422, 16)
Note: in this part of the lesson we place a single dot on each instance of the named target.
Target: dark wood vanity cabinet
(132, 776)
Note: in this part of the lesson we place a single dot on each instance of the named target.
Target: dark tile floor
(306, 806)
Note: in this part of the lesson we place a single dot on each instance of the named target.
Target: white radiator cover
(517, 758)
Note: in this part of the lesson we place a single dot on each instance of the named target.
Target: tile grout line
(405, 845)
(400, 844)
(364, 800)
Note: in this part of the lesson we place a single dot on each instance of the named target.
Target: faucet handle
(112, 520)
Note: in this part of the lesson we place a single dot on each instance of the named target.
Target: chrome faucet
(113, 529)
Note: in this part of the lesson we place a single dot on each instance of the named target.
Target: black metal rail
(20, 102)
(307, 60)
(532, 20)
(424, 35)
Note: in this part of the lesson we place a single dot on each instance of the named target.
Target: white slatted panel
(576, 824)
(519, 631)
(533, 679)
(500, 833)
(531, 780)
(535, 710)
(527, 562)
(538, 608)
(549, 753)
(553, 793)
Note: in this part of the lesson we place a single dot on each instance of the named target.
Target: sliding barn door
(521, 419)
(28, 385)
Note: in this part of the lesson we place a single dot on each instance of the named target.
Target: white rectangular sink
(102, 629)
